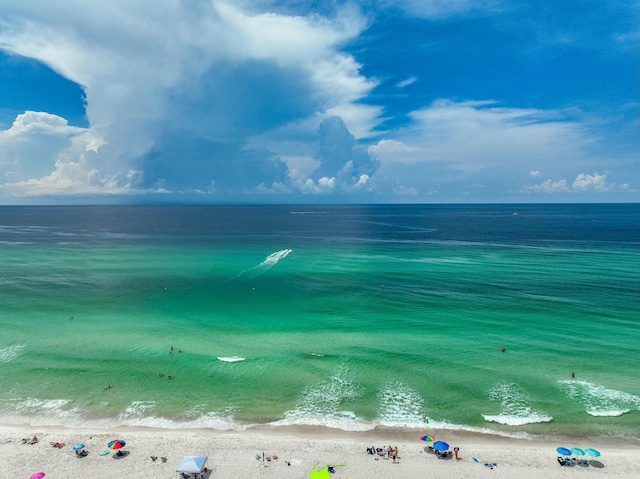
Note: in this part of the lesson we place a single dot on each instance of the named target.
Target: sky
(318, 101)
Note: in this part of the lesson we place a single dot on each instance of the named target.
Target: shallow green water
(344, 316)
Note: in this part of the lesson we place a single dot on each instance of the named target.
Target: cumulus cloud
(213, 80)
(41, 154)
(341, 158)
(583, 182)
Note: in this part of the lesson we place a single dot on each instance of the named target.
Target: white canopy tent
(192, 465)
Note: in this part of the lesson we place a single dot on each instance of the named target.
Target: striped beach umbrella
(117, 444)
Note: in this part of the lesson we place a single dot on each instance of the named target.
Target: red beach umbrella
(37, 475)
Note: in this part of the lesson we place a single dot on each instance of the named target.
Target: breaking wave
(230, 359)
(599, 400)
(10, 353)
(516, 407)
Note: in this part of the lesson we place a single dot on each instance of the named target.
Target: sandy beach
(295, 450)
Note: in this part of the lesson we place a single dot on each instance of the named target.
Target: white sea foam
(598, 400)
(400, 405)
(39, 412)
(230, 359)
(322, 404)
(137, 409)
(60, 412)
(10, 353)
(516, 406)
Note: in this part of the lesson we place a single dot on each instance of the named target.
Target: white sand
(233, 454)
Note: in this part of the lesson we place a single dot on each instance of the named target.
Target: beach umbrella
(117, 444)
(592, 452)
(564, 451)
(77, 447)
(37, 475)
(440, 446)
(577, 451)
(427, 438)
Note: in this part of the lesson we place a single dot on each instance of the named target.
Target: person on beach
(394, 454)
(456, 450)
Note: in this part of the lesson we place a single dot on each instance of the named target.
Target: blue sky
(388, 101)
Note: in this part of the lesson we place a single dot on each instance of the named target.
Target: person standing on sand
(456, 450)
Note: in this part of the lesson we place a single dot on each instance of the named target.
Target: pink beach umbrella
(37, 475)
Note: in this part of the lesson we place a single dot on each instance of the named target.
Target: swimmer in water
(502, 349)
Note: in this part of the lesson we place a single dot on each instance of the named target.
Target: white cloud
(201, 79)
(583, 183)
(550, 186)
(452, 145)
(407, 82)
(586, 182)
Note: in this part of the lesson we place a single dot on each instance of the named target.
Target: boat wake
(269, 262)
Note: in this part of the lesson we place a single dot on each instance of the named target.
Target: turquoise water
(342, 316)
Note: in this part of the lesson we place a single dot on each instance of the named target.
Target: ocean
(235, 317)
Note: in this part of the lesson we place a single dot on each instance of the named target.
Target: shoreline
(232, 454)
(317, 431)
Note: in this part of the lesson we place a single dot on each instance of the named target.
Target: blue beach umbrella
(564, 451)
(577, 451)
(440, 446)
(77, 447)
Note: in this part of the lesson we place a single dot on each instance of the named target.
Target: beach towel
(319, 473)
